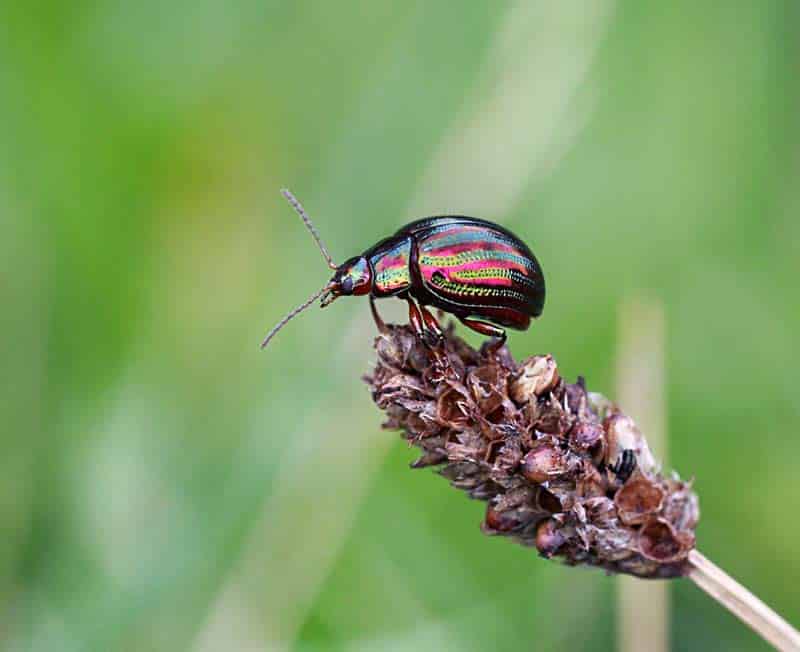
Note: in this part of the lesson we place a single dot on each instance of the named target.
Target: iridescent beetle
(471, 268)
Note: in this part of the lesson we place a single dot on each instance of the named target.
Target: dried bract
(540, 451)
(534, 377)
(637, 499)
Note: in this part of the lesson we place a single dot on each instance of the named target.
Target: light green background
(165, 486)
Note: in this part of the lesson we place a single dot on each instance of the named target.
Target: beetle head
(353, 277)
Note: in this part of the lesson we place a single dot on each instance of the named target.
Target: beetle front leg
(382, 327)
(485, 328)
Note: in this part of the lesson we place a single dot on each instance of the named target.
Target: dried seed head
(535, 376)
(659, 541)
(487, 384)
(622, 434)
(638, 499)
(497, 521)
(591, 482)
(550, 537)
(453, 408)
(543, 463)
(586, 435)
(540, 451)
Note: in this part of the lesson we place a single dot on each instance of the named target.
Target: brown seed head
(539, 450)
(543, 462)
(534, 377)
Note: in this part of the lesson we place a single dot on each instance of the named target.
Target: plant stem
(739, 601)
(643, 607)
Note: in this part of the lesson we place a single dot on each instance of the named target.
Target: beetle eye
(347, 285)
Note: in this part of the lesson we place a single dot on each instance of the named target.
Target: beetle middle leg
(485, 328)
(433, 330)
(424, 324)
(415, 319)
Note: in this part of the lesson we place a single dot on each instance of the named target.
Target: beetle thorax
(391, 261)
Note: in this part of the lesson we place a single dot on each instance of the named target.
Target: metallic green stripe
(464, 236)
(462, 289)
(492, 273)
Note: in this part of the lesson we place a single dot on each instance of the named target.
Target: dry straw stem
(552, 461)
(729, 593)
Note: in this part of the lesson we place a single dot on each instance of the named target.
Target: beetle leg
(424, 324)
(382, 327)
(432, 327)
(419, 321)
(415, 319)
(484, 328)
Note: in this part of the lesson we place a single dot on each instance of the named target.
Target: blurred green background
(165, 486)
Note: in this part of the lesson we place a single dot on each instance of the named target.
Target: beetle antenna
(294, 312)
(298, 207)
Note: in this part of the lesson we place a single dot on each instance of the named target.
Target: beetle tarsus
(496, 344)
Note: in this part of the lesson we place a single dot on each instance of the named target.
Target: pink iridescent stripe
(391, 262)
(458, 250)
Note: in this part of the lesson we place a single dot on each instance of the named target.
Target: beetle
(472, 268)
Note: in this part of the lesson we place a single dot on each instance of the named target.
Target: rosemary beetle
(473, 269)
